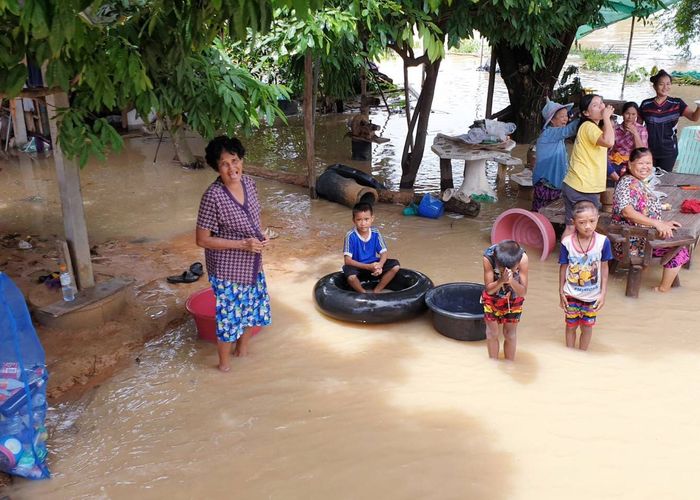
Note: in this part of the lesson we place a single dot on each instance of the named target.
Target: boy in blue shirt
(365, 252)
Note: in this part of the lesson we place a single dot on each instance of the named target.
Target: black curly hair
(216, 146)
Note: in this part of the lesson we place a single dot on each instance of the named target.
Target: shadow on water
(299, 418)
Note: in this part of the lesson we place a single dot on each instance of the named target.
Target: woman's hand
(665, 229)
(608, 112)
(254, 245)
(631, 128)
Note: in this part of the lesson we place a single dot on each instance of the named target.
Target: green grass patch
(600, 60)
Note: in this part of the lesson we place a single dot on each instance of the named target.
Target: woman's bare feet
(224, 351)
(241, 349)
(660, 289)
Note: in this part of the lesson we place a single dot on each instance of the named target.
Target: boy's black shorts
(364, 275)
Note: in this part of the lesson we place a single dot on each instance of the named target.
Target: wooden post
(309, 122)
(492, 83)
(364, 106)
(68, 175)
(18, 124)
(634, 281)
(627, 61)
(446, 174)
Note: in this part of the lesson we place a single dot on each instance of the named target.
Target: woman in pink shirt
(629, 135)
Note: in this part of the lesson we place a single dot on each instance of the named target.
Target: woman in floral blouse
(636, 204)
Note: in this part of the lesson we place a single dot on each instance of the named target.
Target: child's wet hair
(584, 206)
(212, 153)
(508, 253)
(362, 207)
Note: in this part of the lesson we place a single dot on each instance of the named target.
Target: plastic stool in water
(527, 228)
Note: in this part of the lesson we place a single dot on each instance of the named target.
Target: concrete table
(475, 158)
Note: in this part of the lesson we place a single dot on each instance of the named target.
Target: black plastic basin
(457, 311)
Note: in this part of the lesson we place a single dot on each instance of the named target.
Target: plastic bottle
(66, 285)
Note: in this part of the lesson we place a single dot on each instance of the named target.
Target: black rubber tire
(362, 178)
(335, 298)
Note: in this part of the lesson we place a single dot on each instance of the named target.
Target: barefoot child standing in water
(365, 252)
(583, 274)
(505, 278)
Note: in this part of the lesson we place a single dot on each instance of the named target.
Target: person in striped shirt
(661, 115)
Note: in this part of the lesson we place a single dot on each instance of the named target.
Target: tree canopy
(150, 54)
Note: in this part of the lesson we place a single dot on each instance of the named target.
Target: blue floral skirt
(240, 306)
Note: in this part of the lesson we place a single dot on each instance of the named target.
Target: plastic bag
(499, 130)
(23, 378)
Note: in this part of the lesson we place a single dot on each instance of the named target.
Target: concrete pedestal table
(475, 185)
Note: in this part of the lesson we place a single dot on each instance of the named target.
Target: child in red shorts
(583, 274)
(505, 279)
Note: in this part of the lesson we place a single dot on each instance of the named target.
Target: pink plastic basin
(202, 306)
(527, 228)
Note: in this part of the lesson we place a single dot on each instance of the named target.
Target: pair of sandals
(195, 272)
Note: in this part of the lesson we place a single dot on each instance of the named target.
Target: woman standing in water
(661, 114)
(228, 228)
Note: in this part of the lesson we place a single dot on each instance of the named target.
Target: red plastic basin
(202, 306)
(527, 228)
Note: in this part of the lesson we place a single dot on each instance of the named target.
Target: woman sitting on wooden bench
(635, 204)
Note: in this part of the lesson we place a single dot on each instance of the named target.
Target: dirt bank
(79, 359)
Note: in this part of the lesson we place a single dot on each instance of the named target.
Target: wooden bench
(621, 234)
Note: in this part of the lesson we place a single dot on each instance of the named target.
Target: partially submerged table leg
(475, 183)
(446, 174)
(634, 281)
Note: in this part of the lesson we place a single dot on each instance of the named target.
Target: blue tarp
(23, 378)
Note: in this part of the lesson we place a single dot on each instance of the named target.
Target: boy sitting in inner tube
(365, 252)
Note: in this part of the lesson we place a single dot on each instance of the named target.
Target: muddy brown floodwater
(323, 409)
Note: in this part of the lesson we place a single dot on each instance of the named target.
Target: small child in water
(583, 274)
(365, 252)
(505, 278)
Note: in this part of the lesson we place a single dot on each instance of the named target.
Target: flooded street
(323, 409)
(329, 410)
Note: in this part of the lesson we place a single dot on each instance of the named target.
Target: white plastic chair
(688, 161)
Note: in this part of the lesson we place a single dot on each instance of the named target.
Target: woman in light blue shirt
(552, 160)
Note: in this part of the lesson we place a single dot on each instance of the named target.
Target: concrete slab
(91, 308)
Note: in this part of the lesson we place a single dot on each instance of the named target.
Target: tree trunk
(418, 127)
(182, 149)
(529, 87)
(309, 123)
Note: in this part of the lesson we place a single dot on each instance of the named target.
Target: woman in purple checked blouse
(228, 228)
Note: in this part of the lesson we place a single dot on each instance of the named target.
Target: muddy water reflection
(323, 409)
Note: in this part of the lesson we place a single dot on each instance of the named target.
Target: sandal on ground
(186, 277)
(197, 269)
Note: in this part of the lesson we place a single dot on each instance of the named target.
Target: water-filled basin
(457, 311)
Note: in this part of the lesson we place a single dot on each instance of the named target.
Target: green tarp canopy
(619, 10)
